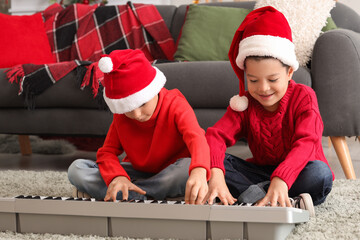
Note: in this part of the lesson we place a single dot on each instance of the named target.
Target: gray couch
(334, 74)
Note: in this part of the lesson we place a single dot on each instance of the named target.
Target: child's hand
(277, 194)
(122, 184)
(196, 186)
(218, 188)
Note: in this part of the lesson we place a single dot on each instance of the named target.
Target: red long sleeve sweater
(171, 133)
(288, 138)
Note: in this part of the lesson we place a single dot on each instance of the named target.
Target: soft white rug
(10, 144)
(337, 218)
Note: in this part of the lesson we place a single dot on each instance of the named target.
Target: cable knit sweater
(287, 138)
(171, 133)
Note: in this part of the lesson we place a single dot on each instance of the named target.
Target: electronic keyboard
(147, 219)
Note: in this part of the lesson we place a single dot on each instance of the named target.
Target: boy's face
(267, 81)
(144, 113)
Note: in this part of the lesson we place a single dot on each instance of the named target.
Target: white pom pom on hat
(105, 64)
(239, 103)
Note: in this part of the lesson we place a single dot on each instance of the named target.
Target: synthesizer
(147, 219)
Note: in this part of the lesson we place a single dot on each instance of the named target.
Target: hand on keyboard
(218, 188)
(277, 194)
(196, 186)
(122, 184)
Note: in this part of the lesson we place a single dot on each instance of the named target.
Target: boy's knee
(322, 170)
(74, 170)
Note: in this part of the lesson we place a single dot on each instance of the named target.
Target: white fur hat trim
(267, 45)
(239, 103)
(131, 102)
(105, 64)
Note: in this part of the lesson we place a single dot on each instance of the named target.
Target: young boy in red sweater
(279, 118)
(167, 154)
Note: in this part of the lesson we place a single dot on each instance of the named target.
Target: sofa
(334, 72)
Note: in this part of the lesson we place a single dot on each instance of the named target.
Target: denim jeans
(169, 183)
(249, 182)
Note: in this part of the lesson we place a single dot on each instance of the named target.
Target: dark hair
(258, 58)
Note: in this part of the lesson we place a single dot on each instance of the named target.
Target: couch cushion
(23, 40)
(65, 93)
(345, 17)
(207, 34)
(204, 84)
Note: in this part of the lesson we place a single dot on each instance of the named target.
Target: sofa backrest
(174, 17)
(345, 17)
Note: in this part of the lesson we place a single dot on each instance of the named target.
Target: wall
(354, 4)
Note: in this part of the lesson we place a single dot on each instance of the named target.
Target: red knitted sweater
(171, 133)
(287, 138)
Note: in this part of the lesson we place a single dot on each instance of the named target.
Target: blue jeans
(169, 183)
(249, 182)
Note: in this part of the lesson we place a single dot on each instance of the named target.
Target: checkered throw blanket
(80, 34)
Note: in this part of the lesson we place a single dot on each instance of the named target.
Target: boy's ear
(290, 73)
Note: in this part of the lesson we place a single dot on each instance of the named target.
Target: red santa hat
(129, 80)
(264, 32)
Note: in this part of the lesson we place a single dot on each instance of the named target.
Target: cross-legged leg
(316, 179)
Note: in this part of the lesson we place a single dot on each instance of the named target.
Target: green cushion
(330, 25)
(208, 31)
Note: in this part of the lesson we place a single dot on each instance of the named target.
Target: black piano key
(154, 201)
(36, 197)
(70, 199)
(28, 197)
(48, 198)
(132, 201)
(178, 202)
(20, 196)
(124, 200)
(140, 201)
(57, 198)
(163, 202)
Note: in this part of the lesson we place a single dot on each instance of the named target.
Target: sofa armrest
(335, 72)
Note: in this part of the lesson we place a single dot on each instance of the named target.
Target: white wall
(354, 4)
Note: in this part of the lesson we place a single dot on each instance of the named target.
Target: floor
(62, 162)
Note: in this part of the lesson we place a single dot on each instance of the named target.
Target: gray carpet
(337, 218)
(10, 144)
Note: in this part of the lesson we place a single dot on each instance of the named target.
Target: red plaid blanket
(79, 34)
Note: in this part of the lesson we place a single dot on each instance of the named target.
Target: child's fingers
(111, 194)
(284, 201)
(201, 195)
(107, 197)
(224, 201)
(187, 194)
(263, 202)
(137, 189)
(206, 198)
(194, 194)
(125, 193)
(287, 202)
(212, 197)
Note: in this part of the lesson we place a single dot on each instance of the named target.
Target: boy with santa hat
(279, 118)
(167, 155)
